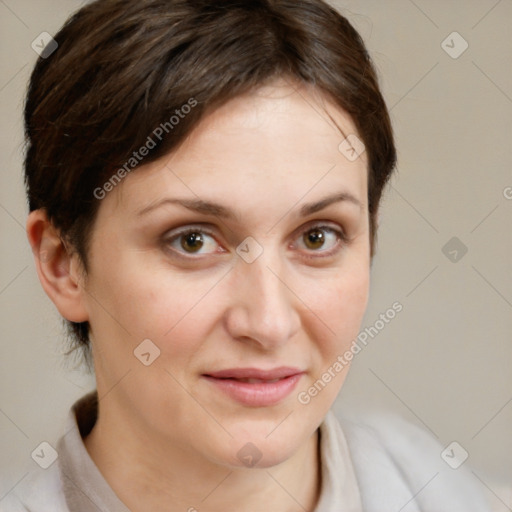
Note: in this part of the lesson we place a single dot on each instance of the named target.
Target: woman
(204, 181)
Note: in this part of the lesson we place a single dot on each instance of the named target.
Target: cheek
(339, 304)
(134, 300)
(339, 307)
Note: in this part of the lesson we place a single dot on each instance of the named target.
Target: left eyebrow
(310, 208)
(218, 210)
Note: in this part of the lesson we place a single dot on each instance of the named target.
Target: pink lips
(255, 387)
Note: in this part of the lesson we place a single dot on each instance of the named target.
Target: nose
(263, 307)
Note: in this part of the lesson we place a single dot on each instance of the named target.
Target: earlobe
(57, 267)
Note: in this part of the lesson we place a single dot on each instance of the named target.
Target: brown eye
(191, 242)
(321, 241)
(314, 238)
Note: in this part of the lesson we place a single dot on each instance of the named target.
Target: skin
(165, 438)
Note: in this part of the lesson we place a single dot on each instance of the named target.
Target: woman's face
(244, 257)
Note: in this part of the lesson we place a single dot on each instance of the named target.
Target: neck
(148, 474)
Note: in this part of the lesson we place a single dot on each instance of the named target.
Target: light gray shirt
(382, 465)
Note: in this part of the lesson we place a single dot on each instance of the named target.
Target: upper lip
(255, 373)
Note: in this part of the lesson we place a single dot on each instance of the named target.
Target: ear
(57, 268)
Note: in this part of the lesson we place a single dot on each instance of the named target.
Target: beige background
(445, 361)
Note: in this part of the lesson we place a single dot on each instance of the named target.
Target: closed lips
(254, 375)
(255, 381)
(254, 387)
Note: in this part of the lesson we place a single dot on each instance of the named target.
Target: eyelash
(340, 234)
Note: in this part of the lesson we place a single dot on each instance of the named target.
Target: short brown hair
(124, 67)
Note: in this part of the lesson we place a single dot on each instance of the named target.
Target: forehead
(276, 118)
(280, 141)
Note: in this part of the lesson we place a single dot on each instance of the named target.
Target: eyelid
(333, 226)
(191, 228)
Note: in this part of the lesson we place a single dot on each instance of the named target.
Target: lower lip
(259, 394)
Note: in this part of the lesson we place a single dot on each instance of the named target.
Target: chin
(257, 450)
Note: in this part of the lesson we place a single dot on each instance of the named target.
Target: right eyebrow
(197, 205)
